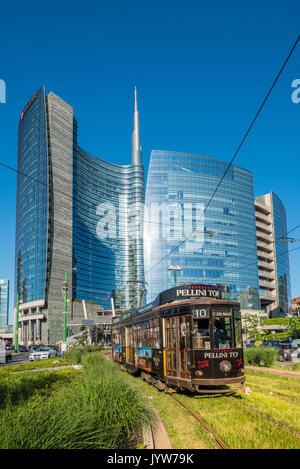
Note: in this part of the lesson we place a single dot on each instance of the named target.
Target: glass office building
(282, 256)
(4, 302)
(32, 201)
(76, 215)
(107, 231)
(211, 244)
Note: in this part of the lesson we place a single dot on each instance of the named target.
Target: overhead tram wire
(255, 250)
(222, 178)
(235, 154)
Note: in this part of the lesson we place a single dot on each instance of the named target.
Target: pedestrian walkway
(274, 371)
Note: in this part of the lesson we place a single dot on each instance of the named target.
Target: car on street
(5, 352)
(42, 352)
(284, 348)
(23, 348)
(9, 349)
(295, 354)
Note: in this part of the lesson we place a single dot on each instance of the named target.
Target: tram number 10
(200, 313)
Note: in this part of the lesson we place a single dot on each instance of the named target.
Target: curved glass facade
(107, 231)
(222, 249)
(282, 256)
(32, 201)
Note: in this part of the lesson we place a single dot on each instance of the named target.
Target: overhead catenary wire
(235, 154)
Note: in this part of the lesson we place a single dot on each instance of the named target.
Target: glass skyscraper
(216, 245)
(4, 302)
(76, 215)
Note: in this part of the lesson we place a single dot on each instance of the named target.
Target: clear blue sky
(201, 69)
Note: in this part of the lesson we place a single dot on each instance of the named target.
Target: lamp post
(17, 324)
(65, 289)
(175, 270)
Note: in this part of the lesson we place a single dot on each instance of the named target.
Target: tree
(252, 325)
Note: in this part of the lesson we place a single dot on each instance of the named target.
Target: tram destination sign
(190, 291)
(205, 291)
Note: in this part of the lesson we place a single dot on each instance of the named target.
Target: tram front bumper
(217, 382)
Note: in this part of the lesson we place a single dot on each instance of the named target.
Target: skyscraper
(4, 302)
(211, 244)
(272, 254)
(76, 214)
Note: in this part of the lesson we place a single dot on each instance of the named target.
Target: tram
(188, 338)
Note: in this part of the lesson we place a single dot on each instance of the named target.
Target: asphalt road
(17, 359)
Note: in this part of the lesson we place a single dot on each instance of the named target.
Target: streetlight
(175, 269)
(64, 291)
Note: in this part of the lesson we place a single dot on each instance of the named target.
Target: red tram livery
(188, 338)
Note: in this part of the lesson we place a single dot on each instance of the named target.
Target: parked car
(295, 355)
(9, 349)
(5, 352)
(23, 348)
(41, 353)
(282, 346)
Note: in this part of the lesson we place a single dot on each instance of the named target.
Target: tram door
(178, 352)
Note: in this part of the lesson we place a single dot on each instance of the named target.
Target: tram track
(269, 419)
(210, 431)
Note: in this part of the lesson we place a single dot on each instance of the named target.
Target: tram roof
(175, 304)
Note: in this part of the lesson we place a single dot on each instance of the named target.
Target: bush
(262, 356)
(76, 354)
(100, 411)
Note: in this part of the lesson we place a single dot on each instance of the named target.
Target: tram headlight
(225, 366)
(199, 373)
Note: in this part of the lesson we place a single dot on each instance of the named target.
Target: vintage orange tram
(188, 338)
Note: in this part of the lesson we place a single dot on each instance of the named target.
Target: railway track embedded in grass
(215, 437)
(269, 419)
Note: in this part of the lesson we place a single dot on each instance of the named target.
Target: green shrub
(262, 356)
(98, 411)
(76, 354)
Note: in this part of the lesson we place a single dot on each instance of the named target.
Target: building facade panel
(76, 214)
(4, 302)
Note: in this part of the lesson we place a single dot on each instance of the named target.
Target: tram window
(201, 337)
(238, 333)
(223, 333)
(188, 361)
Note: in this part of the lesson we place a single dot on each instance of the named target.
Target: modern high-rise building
(208, 241)
(4, 302)
(272, 254)
(76, 214)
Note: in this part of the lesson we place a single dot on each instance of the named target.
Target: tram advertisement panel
(218, 363)
(143, 357)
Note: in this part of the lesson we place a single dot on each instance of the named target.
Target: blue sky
(201, 70)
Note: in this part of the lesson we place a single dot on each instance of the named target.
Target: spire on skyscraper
(136, 149)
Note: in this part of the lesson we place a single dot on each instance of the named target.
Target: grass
(230, 417)
(36, 364)
(266, 356)
(95, 409)
(76, 354)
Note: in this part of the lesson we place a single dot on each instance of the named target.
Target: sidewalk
(274, 371)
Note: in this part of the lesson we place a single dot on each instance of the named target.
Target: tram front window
(223, 333)
(201, 337)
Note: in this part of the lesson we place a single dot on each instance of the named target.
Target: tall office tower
(76, 214)
(272, 253)
(4, 302)
(213, 245)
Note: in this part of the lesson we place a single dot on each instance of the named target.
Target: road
(17, 359)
